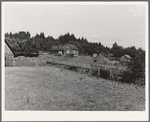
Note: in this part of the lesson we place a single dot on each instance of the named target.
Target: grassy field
(52, 88)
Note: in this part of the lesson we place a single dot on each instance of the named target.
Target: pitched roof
(104, 54)
(54, 47)
(13, 46)
(9, 46)
(72, 46)
(62, 47)
(7, 50)
(127, 56)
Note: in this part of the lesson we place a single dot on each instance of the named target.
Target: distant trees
(6, 34)
(130, 51)
(117, 50)
(21, 35)
(41, 43)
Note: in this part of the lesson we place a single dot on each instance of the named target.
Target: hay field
(52, 88)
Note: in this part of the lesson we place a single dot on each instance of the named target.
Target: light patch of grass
(50, 88)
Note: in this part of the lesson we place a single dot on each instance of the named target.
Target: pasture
(56, 89)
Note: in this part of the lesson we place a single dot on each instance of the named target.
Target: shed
(125, 59)
(102, 58)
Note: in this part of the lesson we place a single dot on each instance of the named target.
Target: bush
(104, 73)
(73, 68)
(57, 54)
(69, 55)
(95, 73)
(140, 81)
(127, 77)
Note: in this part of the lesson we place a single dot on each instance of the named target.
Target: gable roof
(7, 50)
(54, 47)
(127, 56)
(9, 46)
(62, 47)
(14, 48)
(57, 48)
(72, 46)
(12, 45)
(104, 54)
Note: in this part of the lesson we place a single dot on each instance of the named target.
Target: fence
(114, 71)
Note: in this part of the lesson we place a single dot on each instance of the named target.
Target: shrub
(95, 73)
(131, 77)
(71, 55)
(140, 81)
(57, 54)
(73, 68)
(104, 73)
(127, 77)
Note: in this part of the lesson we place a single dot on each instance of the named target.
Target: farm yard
(47, 87)
(69, 61)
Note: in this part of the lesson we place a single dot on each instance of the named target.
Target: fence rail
(113, 70)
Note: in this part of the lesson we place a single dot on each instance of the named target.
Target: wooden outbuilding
(102, 58)
(125, 59)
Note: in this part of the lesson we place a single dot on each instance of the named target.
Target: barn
(9, 54)
(14, 58)
(102, 58)
(125, 59)
(64, 49)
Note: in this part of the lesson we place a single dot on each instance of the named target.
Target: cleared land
(52, 88)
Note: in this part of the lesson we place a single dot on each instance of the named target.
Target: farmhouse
(57, 49)
(125, 59)
(64, 49)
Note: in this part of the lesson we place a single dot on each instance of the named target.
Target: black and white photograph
(74, 61)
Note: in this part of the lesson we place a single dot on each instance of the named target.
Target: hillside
(50, 88)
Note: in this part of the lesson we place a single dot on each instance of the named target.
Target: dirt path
(50, 88)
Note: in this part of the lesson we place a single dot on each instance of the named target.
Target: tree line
(28, 44)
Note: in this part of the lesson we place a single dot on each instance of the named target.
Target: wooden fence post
(36, 62)
(65, 65)
(81, 68)
(98, 71)
(110, 73)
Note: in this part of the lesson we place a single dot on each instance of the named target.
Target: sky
(108, 22)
